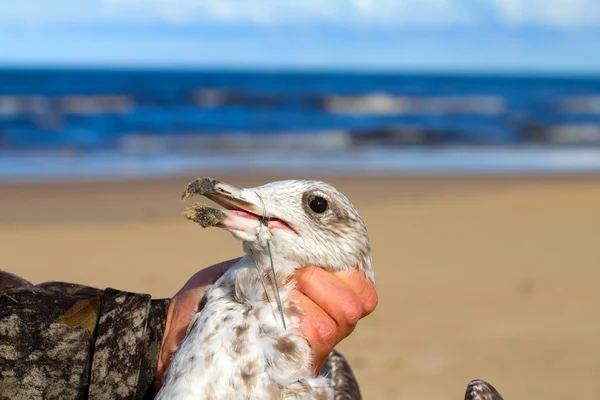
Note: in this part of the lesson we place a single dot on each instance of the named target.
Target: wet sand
(493, 278)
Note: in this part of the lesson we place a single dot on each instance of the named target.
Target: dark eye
(318, 205)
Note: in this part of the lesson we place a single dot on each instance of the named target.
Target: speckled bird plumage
(479, 389)
(238, 348)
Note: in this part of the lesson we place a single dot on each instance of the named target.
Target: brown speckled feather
(343, 382)
(481, 390)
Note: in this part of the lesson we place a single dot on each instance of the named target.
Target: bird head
(306, 222)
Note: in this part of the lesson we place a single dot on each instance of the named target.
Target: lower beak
(241, 214)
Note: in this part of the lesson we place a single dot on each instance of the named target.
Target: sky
(417, 35)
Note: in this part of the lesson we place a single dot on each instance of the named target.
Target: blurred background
(467, 133)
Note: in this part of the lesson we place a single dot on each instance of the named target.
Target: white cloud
(560, 13)
(278, 11)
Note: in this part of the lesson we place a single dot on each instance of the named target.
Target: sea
(112, 124)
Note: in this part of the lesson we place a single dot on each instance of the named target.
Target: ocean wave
(385, 104)
(372, 104)
(120, 165)
(589, 104)
(280, 141)
(57, 109)
(28, 104)
(96, 104)
(15, 105)
(574, 134)
(212, 98)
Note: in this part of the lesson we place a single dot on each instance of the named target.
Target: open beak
(221, 193)
(244, 211)
(240, 214)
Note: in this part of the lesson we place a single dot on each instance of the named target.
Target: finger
(319, 329)
(170, 345)
(163, 362)
(362, 287)
(332, 295)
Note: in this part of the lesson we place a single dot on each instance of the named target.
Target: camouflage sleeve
(65, 341)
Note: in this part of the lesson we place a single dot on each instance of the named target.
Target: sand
(493, 278)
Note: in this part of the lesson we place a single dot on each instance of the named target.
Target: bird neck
(269, 259)
(251, 280)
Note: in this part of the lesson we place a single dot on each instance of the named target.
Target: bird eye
(318, 204)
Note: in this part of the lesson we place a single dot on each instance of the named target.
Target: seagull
(245, 342)
(479, 389)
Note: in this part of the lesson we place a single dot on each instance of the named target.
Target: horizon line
(289, 69)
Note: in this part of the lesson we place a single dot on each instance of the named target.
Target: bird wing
(341, 377)
(481, 390)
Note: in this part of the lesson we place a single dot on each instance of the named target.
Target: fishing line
(276, 286)
(265, 222)
(262, 282)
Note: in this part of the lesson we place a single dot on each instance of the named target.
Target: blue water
(97, 113)
(375, 161)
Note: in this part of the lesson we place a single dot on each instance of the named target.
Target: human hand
(331, 303)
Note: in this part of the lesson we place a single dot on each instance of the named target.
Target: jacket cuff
(127, 346)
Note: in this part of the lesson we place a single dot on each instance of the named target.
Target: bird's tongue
(248, 222)
(241, 221)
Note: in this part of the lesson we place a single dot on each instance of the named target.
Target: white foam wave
(114, 165)
(385, 104)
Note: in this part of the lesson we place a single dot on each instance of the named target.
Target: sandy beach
(493, 278)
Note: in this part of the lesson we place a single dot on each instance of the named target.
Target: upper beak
(240, 213)
(223, 194)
